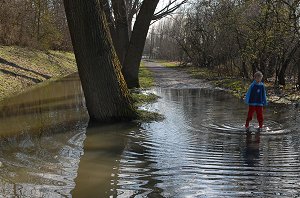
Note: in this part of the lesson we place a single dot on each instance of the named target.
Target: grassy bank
(21, 68)
(237, 86)
(141, 97)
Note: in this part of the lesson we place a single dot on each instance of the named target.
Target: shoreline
(236, 86)
(23, 68)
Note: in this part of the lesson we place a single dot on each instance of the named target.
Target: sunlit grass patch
(140, 99)
(167, 63)
(149, 116)
(201, 73)
(23, 67)
(145, 77)
(236, 86)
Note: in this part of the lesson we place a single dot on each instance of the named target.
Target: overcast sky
(162, 3)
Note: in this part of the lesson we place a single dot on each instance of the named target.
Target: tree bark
(122, 36)
(106, 94)
(281, 75)
(110, 21)
(132, 9)
(137, 42)
(245, 73)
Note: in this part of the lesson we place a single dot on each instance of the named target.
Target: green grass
(148, 116)
(169, 63)
(26, 64)
(236, 86)
(37, 64)
(145, 77)
(141, 98)
(201, 73)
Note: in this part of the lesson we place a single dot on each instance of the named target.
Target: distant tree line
(34, 23)
(235, 37)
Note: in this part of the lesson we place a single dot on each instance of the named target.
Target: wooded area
(34, 23)
(104, 40)
(233, 37)
(42, 24)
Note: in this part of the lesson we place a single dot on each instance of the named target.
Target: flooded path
(199, 150)
(171, 78)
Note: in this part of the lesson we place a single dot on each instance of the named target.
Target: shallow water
(48, 148)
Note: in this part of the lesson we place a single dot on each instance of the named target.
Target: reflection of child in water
(251, 153)
(256, 98)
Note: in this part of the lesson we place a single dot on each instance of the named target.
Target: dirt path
(171, 78)
(166, 77)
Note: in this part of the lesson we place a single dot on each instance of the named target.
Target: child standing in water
(256, 99)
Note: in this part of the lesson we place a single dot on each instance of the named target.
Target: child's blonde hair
(258, 74)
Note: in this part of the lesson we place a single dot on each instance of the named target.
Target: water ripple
(205, 152)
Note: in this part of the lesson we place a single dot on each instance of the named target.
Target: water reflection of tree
(40, 165)
(136, 171)
(41, 139)
(115, 162)
(49, 106)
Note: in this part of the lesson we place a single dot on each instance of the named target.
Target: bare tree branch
(168, 9)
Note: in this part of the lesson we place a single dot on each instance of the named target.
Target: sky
(162, 3)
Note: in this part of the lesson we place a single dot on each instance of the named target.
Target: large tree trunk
(281, 75)
(122, 36)
(110, 20)
(137, 43)
(245, 72)
(106, 94)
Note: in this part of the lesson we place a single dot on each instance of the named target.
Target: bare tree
(129, 46)
(241, 37)
(135, 50)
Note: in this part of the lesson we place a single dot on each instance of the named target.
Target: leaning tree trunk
(106, 94)
(137, 42)
(110, 21)
(122, 35)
